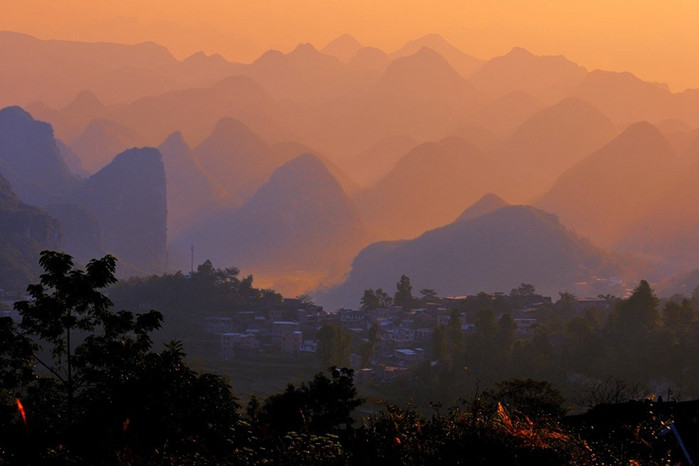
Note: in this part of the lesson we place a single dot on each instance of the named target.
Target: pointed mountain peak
(344, 40)
(201, 58)
(84, 101)
(227, 127)
(432, 40)
(519, 52)
(270, 58)
(641, 128)
(343, 48)
(429, 40)
(642, 135)
(305, 55)
(304, 49)
(485, 205)
(424, 60)
(174, 141)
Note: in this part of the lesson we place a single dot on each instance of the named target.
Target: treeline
(646, 345)
(82, 384)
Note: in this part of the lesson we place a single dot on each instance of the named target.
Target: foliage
(638, 313)
(323, 405)
(187, 299)
(404, 295)
(525, 289)
(100, 394)
(333, 346)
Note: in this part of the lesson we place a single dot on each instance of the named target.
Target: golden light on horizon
(656, 41)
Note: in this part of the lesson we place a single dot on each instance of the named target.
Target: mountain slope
(26, 231)
(553, 140)
(128, 199)
(549, 78)
(236, 159)
(191, 194)
(463, 63)
(298, 226)
(429, 187)
(609, 189)
(30, 159)
(493, 252)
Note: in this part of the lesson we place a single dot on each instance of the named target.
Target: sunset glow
(657, 41)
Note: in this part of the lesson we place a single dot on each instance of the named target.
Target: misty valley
(344, 256)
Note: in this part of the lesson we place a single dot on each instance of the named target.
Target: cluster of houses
(403, 337)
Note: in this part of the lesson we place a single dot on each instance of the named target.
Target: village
(384, 342)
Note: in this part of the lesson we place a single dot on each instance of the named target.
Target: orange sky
(657, 41)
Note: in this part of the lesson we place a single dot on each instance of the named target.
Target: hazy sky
(657, 41)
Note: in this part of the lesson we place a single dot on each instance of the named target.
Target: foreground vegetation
(82, 384)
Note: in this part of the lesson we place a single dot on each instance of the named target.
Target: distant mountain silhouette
(112, 71)
(298, 226)
(503, 115)
(626, 99)
(30, 159)
(71, 159)
(70, 121)
(609, 189)
(424, 76)
(370, 59)
(494, 252)
(429, 187)
(195, 111)
(374, 163)
(101, 141)
(553, 140)
(25, 231)
(463, 63)
(289, 150)
(128, 199)
(343, 48)
(668, 230)
(549, 78)
(478, 136)
(485, 205)
(191, 194)
(236, 159)
(304, 74)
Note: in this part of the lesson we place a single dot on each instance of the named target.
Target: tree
(455, 336)
(368, 348)
(638, 313)
(404, 295)
(369, 301)
(333, 346)
(439, 343)
(428, 295)
(485, 323)
(566, 304)
(101, 392)
(525, 289)
(677, 315)
(375, 299)
(323, 405)
(65, 306)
